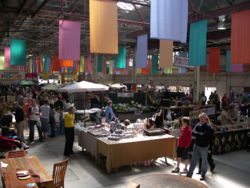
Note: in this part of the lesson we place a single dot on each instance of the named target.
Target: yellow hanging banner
(103, 27)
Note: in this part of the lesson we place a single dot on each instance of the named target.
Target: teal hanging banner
(120, 59)
(198, 43)
(228, 61)
(18, 52)
(99, 63)
(46, 63)
(155, 60)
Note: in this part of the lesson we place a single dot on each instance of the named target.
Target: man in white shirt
(45, 110)
(34, 119)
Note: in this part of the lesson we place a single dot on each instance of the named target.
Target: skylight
(125, 6)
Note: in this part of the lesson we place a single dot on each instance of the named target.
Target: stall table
(27, 163)
(133, 150)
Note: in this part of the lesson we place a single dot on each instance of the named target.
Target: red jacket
(186, 137)
(7, 142)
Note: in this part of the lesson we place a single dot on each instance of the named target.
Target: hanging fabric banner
(198, 43)
(17, 52)
(89, 64)
(7, 57)
(55, 63)
(104, 68)
(154, 64)
(149, 66)
(1, 62)
(166, 54)
(214, 60)
(168, 20)
(236, 67)
(82, 65)
(182, 69)
(168, 70)
(99, 63)
(103, 27)
(46, 63)
(141, 51)
(66, 63)
(138, 71)
(228, 61)
(69, 40)
(120, 59)
(240, 38)
(144, 71)
(111, 67)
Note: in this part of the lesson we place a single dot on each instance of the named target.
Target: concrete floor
(232, 169)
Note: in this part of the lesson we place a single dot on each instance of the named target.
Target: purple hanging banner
(141, 51)
(236, 68)
(69, 40)
(168, 20)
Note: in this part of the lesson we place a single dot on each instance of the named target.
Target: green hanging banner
(168, 70)
(198, 43)
(18, 52)
(82, 64)
(1, 62)
(111, 67)
(99, 63)
(120, 59)
(155, 59)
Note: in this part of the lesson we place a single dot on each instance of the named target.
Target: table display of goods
(153, 132)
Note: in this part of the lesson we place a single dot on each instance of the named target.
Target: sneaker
(25, 147)
(176, 170)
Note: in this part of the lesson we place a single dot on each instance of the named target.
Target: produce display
(132, 107)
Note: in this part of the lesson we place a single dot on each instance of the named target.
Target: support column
(134, 72)
(196, 83)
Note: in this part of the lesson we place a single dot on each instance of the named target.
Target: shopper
(69, 118)
(109, 114)
(20, 122)
(34, 119)
(184, 142)
(203, 139)
(45, 111)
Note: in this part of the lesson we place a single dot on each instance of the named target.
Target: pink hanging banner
(236, 67)
(69, 40)
(7, 57)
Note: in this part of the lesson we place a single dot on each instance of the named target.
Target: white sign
(181, 61)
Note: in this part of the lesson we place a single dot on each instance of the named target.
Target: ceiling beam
(39, 8)
(21, 7)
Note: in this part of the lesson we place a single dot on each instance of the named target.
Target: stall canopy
(27, 83)
(118, 86)
(84, 86)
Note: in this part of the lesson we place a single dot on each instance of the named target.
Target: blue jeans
(198, 152)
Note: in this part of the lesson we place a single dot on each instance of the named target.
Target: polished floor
(232, 169)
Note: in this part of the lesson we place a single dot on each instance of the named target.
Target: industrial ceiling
(37, 22)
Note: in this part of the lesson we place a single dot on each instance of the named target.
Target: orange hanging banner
(66, 63)
(166, 54)
(214, 60)
(103, 27)
(240, 38)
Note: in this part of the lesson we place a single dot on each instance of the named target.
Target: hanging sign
(181, 61)
(12, 76)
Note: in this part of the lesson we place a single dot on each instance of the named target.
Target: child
(184, 142)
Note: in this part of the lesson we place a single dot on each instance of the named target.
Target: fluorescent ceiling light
(221, 26)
